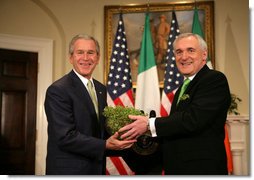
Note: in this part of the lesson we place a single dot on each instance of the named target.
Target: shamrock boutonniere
(184, 97)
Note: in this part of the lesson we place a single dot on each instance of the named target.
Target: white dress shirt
(151, 121)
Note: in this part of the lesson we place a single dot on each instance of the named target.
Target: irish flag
(147, 90)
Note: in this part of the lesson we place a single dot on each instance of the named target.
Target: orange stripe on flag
(228, 151)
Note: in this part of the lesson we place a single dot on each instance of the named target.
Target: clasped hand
(114, 143)
(135, 129)
(129, 134)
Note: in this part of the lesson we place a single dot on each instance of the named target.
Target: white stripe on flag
(165, 101)
(114, 170)
(126, 100)
(110, 101)
(148, 92)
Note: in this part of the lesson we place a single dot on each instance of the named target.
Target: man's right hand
(114, 143)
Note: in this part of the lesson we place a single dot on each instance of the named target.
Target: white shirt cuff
(152, 126)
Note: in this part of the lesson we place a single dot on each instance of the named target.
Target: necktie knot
(89, 84)
(186, 82)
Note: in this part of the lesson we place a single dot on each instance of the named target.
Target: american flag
(119, 84)
(119, 89)
(172, 79)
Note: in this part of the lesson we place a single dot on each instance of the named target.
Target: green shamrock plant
(117, 117)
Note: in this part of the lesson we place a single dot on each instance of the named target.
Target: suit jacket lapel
(82, 92)
(101, 104)
(199, 75)
(174, 103)
(192, 83)
(99, 97)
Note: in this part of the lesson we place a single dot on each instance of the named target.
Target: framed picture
(134, 19)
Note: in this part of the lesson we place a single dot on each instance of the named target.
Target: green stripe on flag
(147, 59)
(197, 29)
(196, 26)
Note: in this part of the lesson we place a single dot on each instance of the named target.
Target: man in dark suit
(76, 144)
(193, 133)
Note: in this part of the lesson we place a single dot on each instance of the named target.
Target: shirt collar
(83, 79)
(190, 77)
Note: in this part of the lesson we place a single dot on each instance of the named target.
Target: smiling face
(84, 57)
(190, 57)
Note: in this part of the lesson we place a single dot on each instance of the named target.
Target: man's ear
(205, 55)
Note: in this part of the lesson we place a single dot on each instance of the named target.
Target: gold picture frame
(134, 19)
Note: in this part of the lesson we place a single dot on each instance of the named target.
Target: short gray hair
(86, 37)
(201, 41)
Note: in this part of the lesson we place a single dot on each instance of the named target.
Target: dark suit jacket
(193, 134)
(75, 136)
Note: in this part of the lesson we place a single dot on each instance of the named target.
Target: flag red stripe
(125, 100)
(169, 100)
(119, 166)
(118, 102)
(130, 94)
(171, 96)
(107, 173)
(163, 111)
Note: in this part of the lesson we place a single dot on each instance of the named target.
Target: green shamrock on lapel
(184, 97)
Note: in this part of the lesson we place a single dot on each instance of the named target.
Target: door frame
(44, 48)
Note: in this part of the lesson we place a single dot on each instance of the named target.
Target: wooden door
(18, 92)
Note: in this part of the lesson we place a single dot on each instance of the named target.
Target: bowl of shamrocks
(117, 117)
